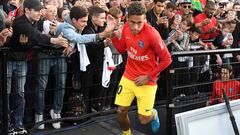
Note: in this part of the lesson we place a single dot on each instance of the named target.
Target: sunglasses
(189, 7)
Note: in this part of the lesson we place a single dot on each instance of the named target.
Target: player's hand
(141, 80)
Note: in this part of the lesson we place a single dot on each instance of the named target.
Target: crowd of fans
(85, 26)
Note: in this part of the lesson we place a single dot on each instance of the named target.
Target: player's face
(136, 23)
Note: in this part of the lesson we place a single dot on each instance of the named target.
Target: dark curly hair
(136, 8)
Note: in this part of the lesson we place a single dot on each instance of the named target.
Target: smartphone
(178, 17)
(165, 17)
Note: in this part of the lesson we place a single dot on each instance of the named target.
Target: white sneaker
(39, 118)
(56, 125)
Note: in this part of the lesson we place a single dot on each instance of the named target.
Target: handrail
(205, 52)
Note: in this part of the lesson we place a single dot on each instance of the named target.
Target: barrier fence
(51, 80)
(190, 82)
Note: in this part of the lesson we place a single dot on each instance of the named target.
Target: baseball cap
(185, 1)
(33, 4)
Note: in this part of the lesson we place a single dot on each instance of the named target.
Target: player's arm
(161, 50)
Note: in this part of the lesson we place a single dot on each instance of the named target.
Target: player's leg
(145, 100)
(124, 98)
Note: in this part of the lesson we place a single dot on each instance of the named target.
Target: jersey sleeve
(162, 53)
(120, 44)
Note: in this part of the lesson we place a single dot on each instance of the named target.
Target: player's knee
(122, 111)
(144, 119)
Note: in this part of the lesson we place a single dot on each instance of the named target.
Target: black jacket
(152, 19)
(95, 50)
(22, 25)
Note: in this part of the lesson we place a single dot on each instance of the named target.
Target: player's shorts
(127, 90)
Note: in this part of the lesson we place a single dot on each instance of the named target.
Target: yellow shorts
(127, 90)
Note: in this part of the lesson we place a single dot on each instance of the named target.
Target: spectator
(77, 21)
(220, 11)
(225, 40)
(206, 22)
(180, 35)
(236, 6)
(185, 7)
(101, 4)
(91, 78)
(50, 2)
(62, 13)
(50, 19)
(25, 34)
(47, 59)
(178, 40)
(116, 13)
(198, 60)
(236, 39)
(227, 83)
(117, 4)
(80, 3)
(114, 3)
(170, 11)
(157, 19)
(148, 4)
(18, 11)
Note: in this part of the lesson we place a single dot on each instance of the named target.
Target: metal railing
(181, 97)
(172, 95)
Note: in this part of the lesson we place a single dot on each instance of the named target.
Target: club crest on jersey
(230, 90)
(140, 43)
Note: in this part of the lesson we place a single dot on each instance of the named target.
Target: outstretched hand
(60, 40)
(111, 23)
